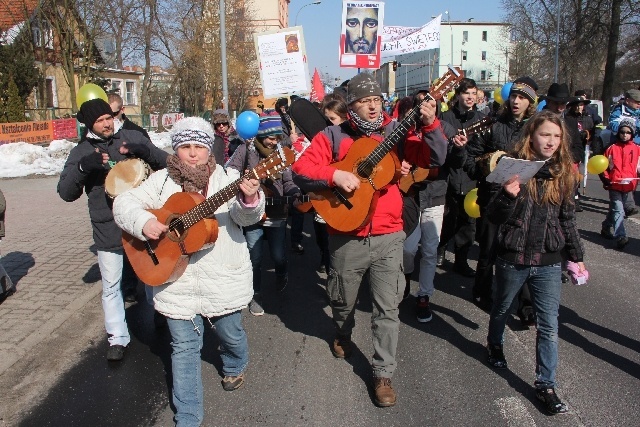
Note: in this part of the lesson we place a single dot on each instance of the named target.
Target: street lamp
(308, 4)
(451, 31)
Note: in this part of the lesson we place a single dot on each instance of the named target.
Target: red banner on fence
(38, 132)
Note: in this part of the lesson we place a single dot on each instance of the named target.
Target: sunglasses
(222, 124)
(625, 132)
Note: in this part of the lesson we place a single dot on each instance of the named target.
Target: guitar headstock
(280, 159)
(446, 83)
(480, 126)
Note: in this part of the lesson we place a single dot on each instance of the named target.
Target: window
(43, 37)
(116, 86)
(484, 36)
(484, 55)
(49, 92)
(465, 36)
(464, 55)
(483, 75)
(130, 94)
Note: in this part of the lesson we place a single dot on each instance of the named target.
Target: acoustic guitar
(418, 174)
(376, 166)
(192, 224)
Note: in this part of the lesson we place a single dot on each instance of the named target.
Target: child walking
(536, 226)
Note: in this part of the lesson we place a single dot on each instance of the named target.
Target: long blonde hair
(564, 177)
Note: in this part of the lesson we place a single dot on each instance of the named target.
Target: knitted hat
(92, 110)
(629, 123)
(526, 87)
(192, 130)
(633, 94)
(270, 125)
(362, 85)
(220, 116)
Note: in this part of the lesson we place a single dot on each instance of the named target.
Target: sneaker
(255, 308)
(297, 248)
(607, 233)
(622, 242)
(232, 383)
(115, 353)
(341, 347)
(527, 316)
(423, 311)
(441, 255)
(130, 296)
(385, 395)
(496, 357)
(281, 283)
(631, 212)
(552, 402)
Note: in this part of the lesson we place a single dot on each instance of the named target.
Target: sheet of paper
(626, 180)
(509, 167)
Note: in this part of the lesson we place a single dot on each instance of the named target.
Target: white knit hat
(192, 130)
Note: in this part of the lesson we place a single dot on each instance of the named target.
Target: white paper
(626, 180)
(399, 40)
(509, 167)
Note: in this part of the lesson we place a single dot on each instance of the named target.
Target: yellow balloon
(444, 107)
(597, 164)
(470, 204)
(497, 96)
(451, 95)
(88, 92)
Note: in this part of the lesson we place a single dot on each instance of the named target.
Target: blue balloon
(541, 105)
(504, 92)
(247, 124)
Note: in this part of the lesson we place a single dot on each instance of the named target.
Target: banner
(399, 40)
(38, 132)
(360, 40)
(283, 62)
(168, 119)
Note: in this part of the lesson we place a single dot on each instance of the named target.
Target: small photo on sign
(291, 41)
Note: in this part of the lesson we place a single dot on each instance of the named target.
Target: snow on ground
(23, 159)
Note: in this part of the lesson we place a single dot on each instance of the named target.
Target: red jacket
(313, 171)
(624, 162)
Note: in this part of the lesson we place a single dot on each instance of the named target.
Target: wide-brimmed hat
(579, 96)
(559, 92)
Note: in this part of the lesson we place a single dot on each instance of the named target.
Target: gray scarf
(366, 127)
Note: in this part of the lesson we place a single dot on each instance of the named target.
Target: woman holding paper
(536, 223)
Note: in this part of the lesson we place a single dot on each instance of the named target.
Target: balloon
(541, 105)
(597, 164)
(470, 206)
(247, 124)
(505, 90)
(497, 96)
(444, 107)
(451, 95)
(88, 92)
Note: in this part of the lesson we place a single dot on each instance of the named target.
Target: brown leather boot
(341, 347)
(385, 394)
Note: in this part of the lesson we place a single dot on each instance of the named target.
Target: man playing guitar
(377, 244)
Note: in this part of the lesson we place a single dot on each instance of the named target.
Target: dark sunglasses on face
(222, 124)
(626, 132)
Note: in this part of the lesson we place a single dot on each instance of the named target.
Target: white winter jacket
(218, 279)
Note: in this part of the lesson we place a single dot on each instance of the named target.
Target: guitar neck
(285, 200)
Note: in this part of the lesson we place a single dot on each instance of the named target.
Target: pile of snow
(23, 159)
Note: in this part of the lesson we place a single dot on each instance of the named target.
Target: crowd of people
(527, 232)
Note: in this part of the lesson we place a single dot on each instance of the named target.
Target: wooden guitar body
(365, 198)
(172, 250)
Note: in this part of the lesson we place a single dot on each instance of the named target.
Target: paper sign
(360, 40)
(399, 40)
(509, 167)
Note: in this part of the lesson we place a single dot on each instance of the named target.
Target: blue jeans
(186, 341)
(110, 263)
(615, 216)
(276, 237)
(545, 285)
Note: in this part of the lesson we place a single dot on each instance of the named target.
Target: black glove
(606, 183)
(91, 162)
(138, 150)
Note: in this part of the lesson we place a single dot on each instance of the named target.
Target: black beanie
(526, 87)
(92, 110)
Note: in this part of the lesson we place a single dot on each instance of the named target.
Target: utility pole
(223, 49)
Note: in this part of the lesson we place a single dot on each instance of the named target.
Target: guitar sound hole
(365, 169)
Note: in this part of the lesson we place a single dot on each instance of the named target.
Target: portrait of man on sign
(361, 30)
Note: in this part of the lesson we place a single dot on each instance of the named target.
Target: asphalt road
(442, 377)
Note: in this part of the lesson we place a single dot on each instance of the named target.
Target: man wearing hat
(515, 111)
(629, 109)
(377, 245)
(85, 171)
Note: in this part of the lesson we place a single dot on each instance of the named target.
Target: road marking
(514, 412)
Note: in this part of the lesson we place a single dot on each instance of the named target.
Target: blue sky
(322, 24)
